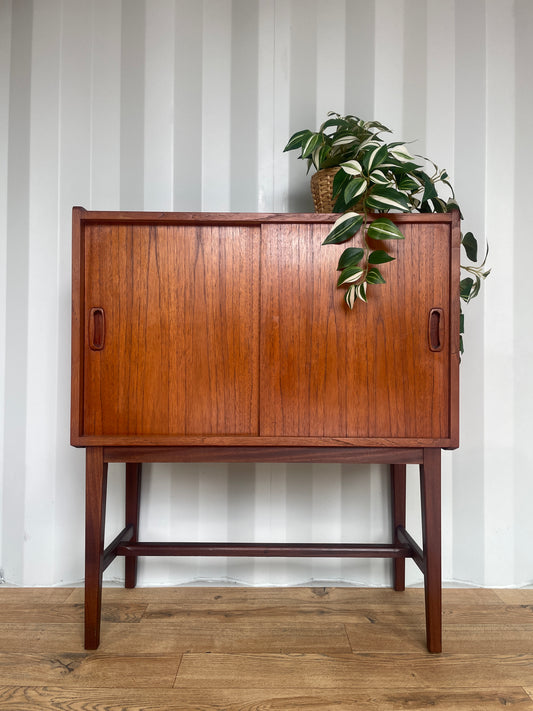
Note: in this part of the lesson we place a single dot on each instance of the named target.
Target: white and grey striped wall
(187, 105)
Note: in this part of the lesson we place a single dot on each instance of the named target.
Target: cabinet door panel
(328, 371)
(179, 313)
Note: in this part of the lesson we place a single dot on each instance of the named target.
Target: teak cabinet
(223, 337)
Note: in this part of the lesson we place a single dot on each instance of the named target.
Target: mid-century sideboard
(202, 337)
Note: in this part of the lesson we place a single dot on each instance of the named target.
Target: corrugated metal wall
(187, 105)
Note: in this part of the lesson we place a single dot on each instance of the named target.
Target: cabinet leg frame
(398, 505)
(428, 558)
(95, 506)
(133, 501)
(430, 493)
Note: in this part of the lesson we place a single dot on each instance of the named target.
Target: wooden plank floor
(277, 649)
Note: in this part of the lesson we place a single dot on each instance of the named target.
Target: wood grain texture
(181, 342)
(251, 649)
(40, 698)
(330, 372)
(83, 669)
(523, 596)
(220, 327)
(310, 671)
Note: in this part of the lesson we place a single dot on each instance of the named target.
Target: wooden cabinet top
(228, 329)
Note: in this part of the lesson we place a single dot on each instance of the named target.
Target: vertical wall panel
(74, 163)
(105, 108)
(360, 87)
(499, 425)
(187, 105)
(5, 67)
(469, 175)
(244, 100)
(330, 59)
(440, 83)
(216, 105)
(132, 105)
(16, 299)
(266, 103)
(520, 351)
(415, 85)
(302, 99)
(281, 97)
(158, 105)
(41, 420)
(389, 79)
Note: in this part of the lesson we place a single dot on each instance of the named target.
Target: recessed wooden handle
(436, 330)
(96, 329)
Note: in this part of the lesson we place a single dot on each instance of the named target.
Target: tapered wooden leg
(398, 490)
(430, 490)
(96, 489)
(133, 498)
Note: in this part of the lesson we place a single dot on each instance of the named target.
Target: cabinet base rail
(427, 557)
(293, 550)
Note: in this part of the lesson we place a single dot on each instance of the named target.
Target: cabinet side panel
(328, 371)
(181, 330)
(77, 328)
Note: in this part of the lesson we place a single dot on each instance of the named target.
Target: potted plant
(361, 174)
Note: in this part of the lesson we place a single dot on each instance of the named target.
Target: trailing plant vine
(378, 177)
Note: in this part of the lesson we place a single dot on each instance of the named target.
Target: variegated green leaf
(469, 242)
(379, 256)
(430, 190)
(368, 143)
(320, 155)
(332, 122)
(350, 257)
(344, 140)
(344, 228)
(355, 187)
(297, 140)
(383, 228)
(438, 204)
(466, 288)
(407, 184)
(310, 146)
(383, 198)
(401, 153)
(375, 157)
(350, 296)
(349, 275)
(339, 182)
(452, 205)
(379, 177)
(374, 276)
(361, 291)
(377, 125)
(352, 167)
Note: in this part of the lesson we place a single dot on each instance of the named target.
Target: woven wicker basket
(322, 189)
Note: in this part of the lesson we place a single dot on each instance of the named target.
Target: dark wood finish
(324, 375)
(398, 506)
(133, 503)
(222, 337)
(283, 550)
(95, 501)
(430, 491)
(182, 304)
(339, 455)
(234, 330)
